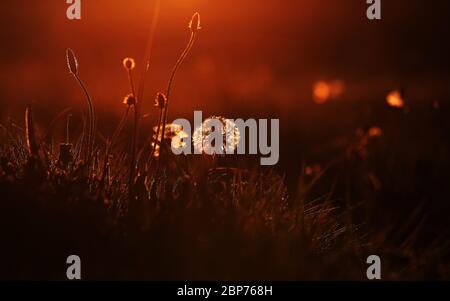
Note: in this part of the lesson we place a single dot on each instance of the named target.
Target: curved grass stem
(91, 129)
(170, 84)
(135, 126)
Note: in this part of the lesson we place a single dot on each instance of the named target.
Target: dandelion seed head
(229, 131)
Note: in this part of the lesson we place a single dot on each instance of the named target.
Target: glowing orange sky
(247, 53)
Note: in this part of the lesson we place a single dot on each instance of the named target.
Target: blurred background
(249, 54)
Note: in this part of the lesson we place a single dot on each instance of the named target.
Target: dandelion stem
(135, 127)
(170, 83)
(91, 129)
(131, 81)
(30, 132)
(120, 127)
(72, 64)
(157, 137)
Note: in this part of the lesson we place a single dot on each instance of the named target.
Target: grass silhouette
(141, 216)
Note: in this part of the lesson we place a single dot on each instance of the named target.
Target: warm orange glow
(324, 91)
(313, 170)
(395, 99)
(174, 132)
(321, 92)
(375, 132)
(337, 87)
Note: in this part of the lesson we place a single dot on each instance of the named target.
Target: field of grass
(207, 218)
